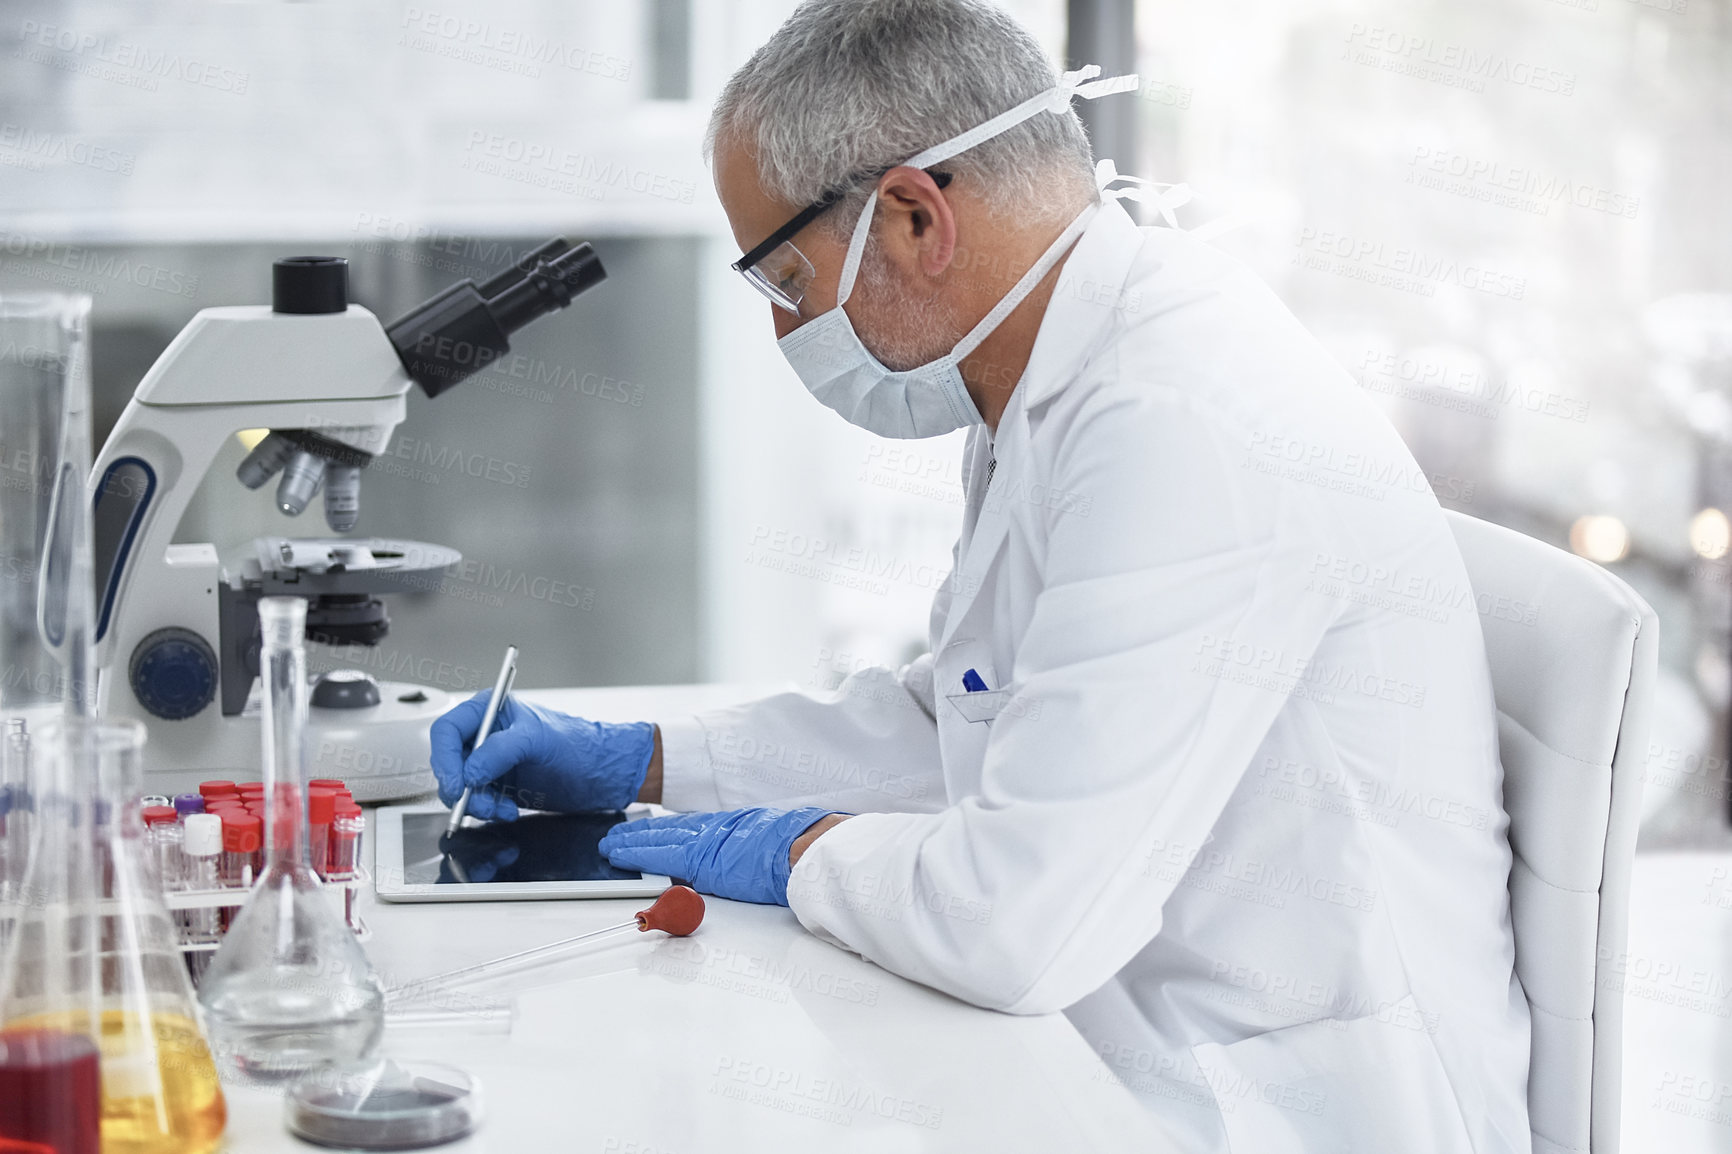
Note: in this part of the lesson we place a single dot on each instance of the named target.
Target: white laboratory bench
(751, 1035)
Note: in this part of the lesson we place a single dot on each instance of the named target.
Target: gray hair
(847, 88)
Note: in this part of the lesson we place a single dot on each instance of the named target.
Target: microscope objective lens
(301, 479)
(267, 457)
(342, 497)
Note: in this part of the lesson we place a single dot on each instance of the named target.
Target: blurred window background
(1502, 220)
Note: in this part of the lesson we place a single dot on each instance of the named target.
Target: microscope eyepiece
(310, 285)
(467, 327)
(549, 285)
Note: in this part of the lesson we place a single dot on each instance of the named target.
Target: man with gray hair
(1197, 756)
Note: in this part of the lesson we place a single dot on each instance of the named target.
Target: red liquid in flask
(50, 1093)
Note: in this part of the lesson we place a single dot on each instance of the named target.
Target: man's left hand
(741, 854)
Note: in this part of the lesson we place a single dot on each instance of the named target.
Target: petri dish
(382, 1104)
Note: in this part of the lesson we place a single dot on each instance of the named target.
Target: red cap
(328, 783)
(247, 787)
(321, 805)
(678, 911)
(207, 788)
(242, 833)
(156, 814)
(347, 807)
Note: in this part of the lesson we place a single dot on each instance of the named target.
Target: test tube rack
(340, 891)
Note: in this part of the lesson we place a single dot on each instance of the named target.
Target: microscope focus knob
(173, 673)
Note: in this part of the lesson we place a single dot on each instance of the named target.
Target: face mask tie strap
(1081, 83)
(1024, 286)
(1163, 197)
(856, 249)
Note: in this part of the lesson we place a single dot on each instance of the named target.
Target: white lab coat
(1238, 807)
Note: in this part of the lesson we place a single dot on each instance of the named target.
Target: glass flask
(94, 954)
(289, 988)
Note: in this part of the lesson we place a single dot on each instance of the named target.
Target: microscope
(177, 631)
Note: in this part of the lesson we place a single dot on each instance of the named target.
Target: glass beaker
(15, 806)
(46, 595)
(289, 988)
(94, 951)
(44, 478)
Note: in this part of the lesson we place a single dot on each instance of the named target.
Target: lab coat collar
(1074, 323)
(992, 519)
(1090, 291)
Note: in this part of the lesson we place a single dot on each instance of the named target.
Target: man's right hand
(538, 758)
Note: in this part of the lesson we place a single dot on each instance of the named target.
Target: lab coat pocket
(1362, 1086)
(980, 708)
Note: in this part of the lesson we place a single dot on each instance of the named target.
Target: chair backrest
(1573, 653)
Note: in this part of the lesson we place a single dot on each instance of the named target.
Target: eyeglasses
(781, 271)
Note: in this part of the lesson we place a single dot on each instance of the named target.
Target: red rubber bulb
(678, 911)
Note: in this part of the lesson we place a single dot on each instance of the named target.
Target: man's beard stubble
(912, 324)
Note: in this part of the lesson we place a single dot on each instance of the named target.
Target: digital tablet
(539, 856)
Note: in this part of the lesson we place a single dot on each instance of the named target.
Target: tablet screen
(539, 847)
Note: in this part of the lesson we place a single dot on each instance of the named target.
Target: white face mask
(929, 400)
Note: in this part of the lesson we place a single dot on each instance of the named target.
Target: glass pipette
(677, 912)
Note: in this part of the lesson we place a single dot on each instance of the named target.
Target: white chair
(1573, 653)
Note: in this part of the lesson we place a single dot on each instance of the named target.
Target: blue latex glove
(538, 758)
(741, 854)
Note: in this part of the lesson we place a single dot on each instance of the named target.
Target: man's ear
(919, 230)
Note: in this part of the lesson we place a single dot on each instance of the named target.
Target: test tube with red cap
(243, 853)
(217, 794)
(321, 809)
(162, 839)
(346, 826)
(226, 812)
(243, 848)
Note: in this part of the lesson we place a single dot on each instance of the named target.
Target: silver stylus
(501, 687)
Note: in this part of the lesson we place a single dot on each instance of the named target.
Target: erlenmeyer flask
(289, 988)
(50, 977)
(94, 952)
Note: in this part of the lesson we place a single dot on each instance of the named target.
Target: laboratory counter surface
(750, 1035)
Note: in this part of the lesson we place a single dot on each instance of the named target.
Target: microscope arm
(143, 481)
